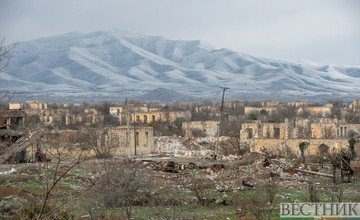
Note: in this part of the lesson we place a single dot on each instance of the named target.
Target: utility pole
(220, 120)
(127, 118)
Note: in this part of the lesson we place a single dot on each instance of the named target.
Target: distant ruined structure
(147, 115)
(38, 112)
(136, 141)
(207, 128)
(332, 132)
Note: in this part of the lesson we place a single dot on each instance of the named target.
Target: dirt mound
(12, 191)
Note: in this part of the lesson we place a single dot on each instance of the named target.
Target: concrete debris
(169, 145)
(221, 187)
(6, 172)
(183, 147)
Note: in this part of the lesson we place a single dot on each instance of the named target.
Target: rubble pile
(169, 145)
(179, 146)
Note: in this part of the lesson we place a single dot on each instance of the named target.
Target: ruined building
(207, 128)
(332, 132)
(132, 141)
(147, 115)
(323, 111)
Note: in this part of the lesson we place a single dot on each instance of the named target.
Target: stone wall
(257, 129)
(121, 142)
(149, 117)
(326, 128)
(14, 106)
(208, 127)
(275, 145)
(116, 111)
(130, 142)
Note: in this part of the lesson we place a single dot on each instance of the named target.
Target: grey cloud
(326, 31)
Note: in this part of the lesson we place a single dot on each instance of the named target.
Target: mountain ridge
(116, 63)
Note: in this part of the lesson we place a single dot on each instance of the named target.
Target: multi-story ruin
(332, 132)
(39, 112)
(36, 105)
(322, 111)
(147, 115)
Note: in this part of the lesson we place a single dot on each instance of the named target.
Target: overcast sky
(323, 31)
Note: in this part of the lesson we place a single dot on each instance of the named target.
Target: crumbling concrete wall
(333, 128)
(132, 141)
(257, 129)
(208, 127)
(149, 117)
(118, 140)
(116, 111)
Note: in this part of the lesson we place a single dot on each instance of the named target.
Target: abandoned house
(322, 111)
(130, 141)
(36, 105)
(204, 128)
(115, 141)
(149, 116)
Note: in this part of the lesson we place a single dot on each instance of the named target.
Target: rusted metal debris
(217, 167)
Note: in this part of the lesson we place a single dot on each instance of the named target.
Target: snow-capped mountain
(120, 64)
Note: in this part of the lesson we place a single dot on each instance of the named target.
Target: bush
(252, 117)
(352, 143)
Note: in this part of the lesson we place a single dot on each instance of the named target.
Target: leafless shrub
(168, 205)
(336, 193)
(125, 185)
(91, 139)
(284, 150)
(313, 192)
(57, 146)
(256, 205)
(199, 187)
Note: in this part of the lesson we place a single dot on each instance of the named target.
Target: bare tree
(5, 94)
(196, 184)
(65, 157)
(328, 132)
(93, 139)
(123, 184)
(258, 206)
(5, 53)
